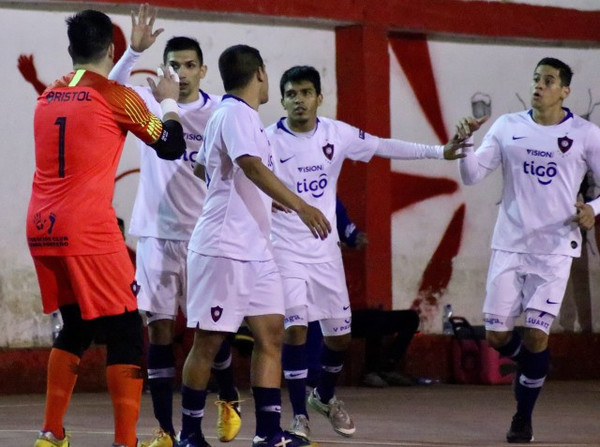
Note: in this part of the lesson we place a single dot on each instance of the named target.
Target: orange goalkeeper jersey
(80, 125)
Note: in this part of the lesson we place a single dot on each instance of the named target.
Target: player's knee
(535, 340)
(295, 335)
(76, 334)
(498, 339)
(161, 332)
(338, 342)
(124, 340)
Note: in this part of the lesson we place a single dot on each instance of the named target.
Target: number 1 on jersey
(61, 122)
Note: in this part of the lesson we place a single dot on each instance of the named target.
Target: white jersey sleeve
(124, 66)
(309, 165)
(479, 164)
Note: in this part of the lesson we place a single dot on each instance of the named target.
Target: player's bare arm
(584, 217)
(200, 171)
(142, 24)
(262, 177)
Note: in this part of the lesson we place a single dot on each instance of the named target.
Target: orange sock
(125, 388)
(62, 375)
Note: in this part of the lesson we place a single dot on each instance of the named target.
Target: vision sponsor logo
(67, 96)
(543, 173)
(536, 153)
(192, 136)
(313, 168)
(315, 187)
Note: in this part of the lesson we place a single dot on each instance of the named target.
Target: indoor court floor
(568, 415)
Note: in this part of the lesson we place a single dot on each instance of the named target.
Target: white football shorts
(162, 276)
(316, 292)
(522, 281)
(223, 291)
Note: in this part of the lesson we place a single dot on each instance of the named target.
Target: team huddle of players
(243, 235)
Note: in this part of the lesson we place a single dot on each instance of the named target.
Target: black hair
(90, 34)
(300, 73)
(180, 43)
(564, 71)
(237, 65)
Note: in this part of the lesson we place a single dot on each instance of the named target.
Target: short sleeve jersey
(80, 125)
(170, 197)
(309, 165)
(542, 168)
(236, 218)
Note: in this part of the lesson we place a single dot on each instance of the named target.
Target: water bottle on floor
(446, 324)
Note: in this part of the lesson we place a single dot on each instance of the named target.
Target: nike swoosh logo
(551, 302)
(518, 138)
(283, 160)
(346, 307)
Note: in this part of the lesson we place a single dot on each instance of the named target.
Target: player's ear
(319, 99)
(203, 70)
(110, 53)
(566, 91)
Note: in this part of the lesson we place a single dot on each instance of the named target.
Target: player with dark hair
(168, 202)
(231, 272)
(308, 154)
(81, 260)
(544, 154)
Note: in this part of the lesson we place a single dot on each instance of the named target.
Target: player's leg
(265, 320)
(160, 273)
(210, 291)
(229, 410)
(124, 346)
(266, 371)
(195, 376)
(294, 357)
(112, 303)
(336, 339)
(329, 303)
(74, 338)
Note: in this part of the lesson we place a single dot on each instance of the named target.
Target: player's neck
(192, 97)
(548, 117)
(100, 69)
(249, 96)
(302, 126)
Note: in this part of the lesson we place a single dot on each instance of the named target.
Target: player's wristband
(169, 105)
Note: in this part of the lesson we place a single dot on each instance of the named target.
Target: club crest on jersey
(216, 312)
(564, 144)
(328, 151)
(135, 287)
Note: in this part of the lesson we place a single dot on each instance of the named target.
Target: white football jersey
(542, 168)
(170, 197)
(309, 164)
(236, 219)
